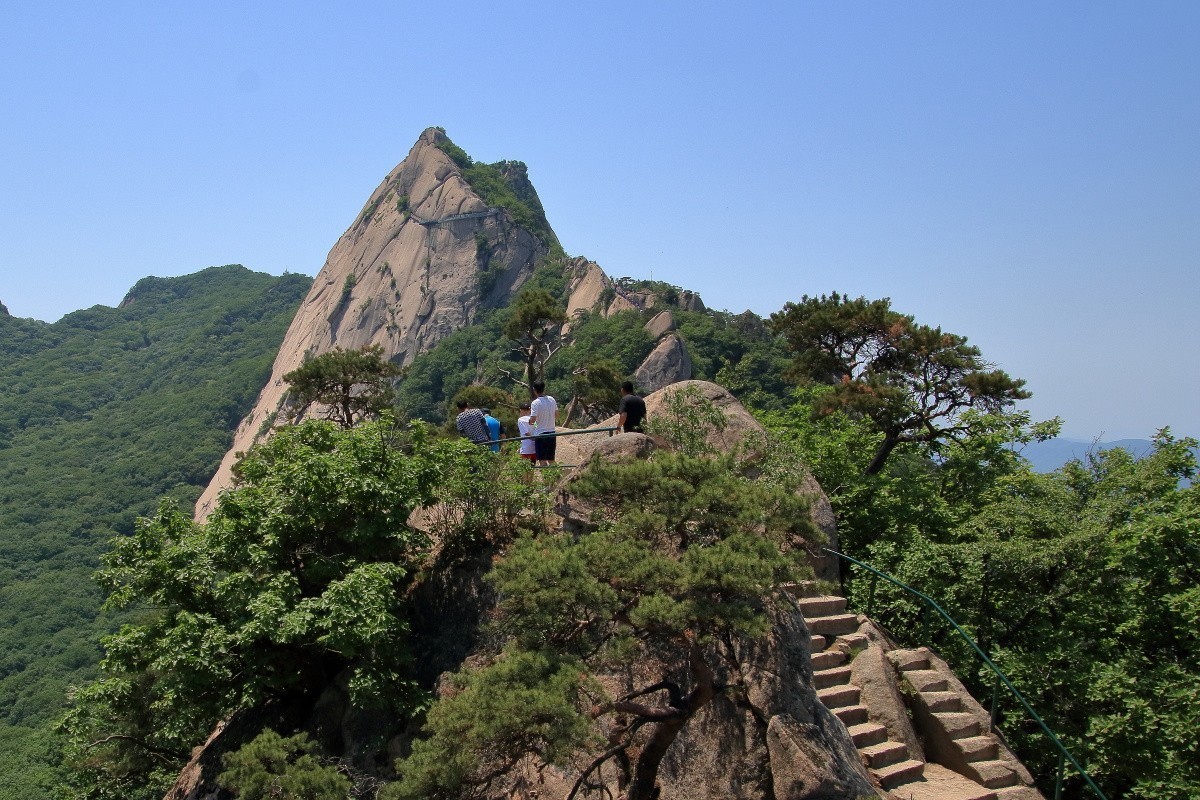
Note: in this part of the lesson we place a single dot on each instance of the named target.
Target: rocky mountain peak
(425, 253)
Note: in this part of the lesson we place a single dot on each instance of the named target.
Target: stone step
(851, 715)
(940, 783)
(1018, 792)
(828, 659)
(926, 680)
(960, 724)
(866, 734)
(909, 659)
(835, 624)
(884, 754)
(993, 774)
(818, 643)
(821, 606)
(900, 773)
(838, 696)
(852, 642)
(978, 748)
(837, 676)
(942, 701)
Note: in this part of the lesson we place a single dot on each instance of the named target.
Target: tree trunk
(885, 449)
(645, 773)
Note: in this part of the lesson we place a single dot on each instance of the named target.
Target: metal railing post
(995, 703)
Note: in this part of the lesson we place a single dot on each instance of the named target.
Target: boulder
(742, 432)
(668, 363)
(587, 287)
(874, 674)
(660, 324)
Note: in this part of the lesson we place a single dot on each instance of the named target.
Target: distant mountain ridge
(1050, 455)
(102, 414)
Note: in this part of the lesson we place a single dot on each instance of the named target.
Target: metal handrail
(555, 433)
(1000, 676)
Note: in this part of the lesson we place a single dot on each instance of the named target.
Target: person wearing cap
(528, 450)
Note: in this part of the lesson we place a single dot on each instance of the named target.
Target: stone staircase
(956, 727)
(835, 639)
(965, 761)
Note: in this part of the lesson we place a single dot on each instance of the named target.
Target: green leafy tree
(272, 767)
(298, 576)
(348, 385)
(685, 559)
(1080, 584)
(595, 390)
(913, 382)
(535, 326)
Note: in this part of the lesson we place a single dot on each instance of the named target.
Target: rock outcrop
(667, 363)
(424, 255)
(741, 432)
(660, 324)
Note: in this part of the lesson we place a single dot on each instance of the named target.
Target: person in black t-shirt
(632, 409)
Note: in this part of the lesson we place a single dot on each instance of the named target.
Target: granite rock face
(667, 363)
(406, 274)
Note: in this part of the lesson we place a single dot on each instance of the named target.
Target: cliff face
(423, 256)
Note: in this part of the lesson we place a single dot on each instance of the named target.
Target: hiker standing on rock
(632, 409)
(542, 415)
(525, 429)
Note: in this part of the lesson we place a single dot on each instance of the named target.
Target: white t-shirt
(545, 409)
(525, 429)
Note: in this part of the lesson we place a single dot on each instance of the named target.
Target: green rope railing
(558, 434)
(1064, 754)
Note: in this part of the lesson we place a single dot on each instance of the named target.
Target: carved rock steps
(835, 640)
(958, 728)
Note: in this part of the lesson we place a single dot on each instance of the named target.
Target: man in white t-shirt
(543, 413)
(524, 427)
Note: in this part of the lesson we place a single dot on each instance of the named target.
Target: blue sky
(1024, 173)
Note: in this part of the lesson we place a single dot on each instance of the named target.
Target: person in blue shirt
(493, 426)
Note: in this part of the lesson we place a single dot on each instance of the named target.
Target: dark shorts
(544, 444)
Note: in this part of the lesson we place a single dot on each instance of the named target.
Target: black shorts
(544, 445)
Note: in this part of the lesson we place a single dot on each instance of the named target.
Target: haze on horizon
(1024, 174)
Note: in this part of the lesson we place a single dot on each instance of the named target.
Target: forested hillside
(101, 414)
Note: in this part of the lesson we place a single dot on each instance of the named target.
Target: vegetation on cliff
(297, 578)
(686, 553)
(506, 185)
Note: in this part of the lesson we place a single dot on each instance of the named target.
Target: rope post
(871, 595)
(1058, 781)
